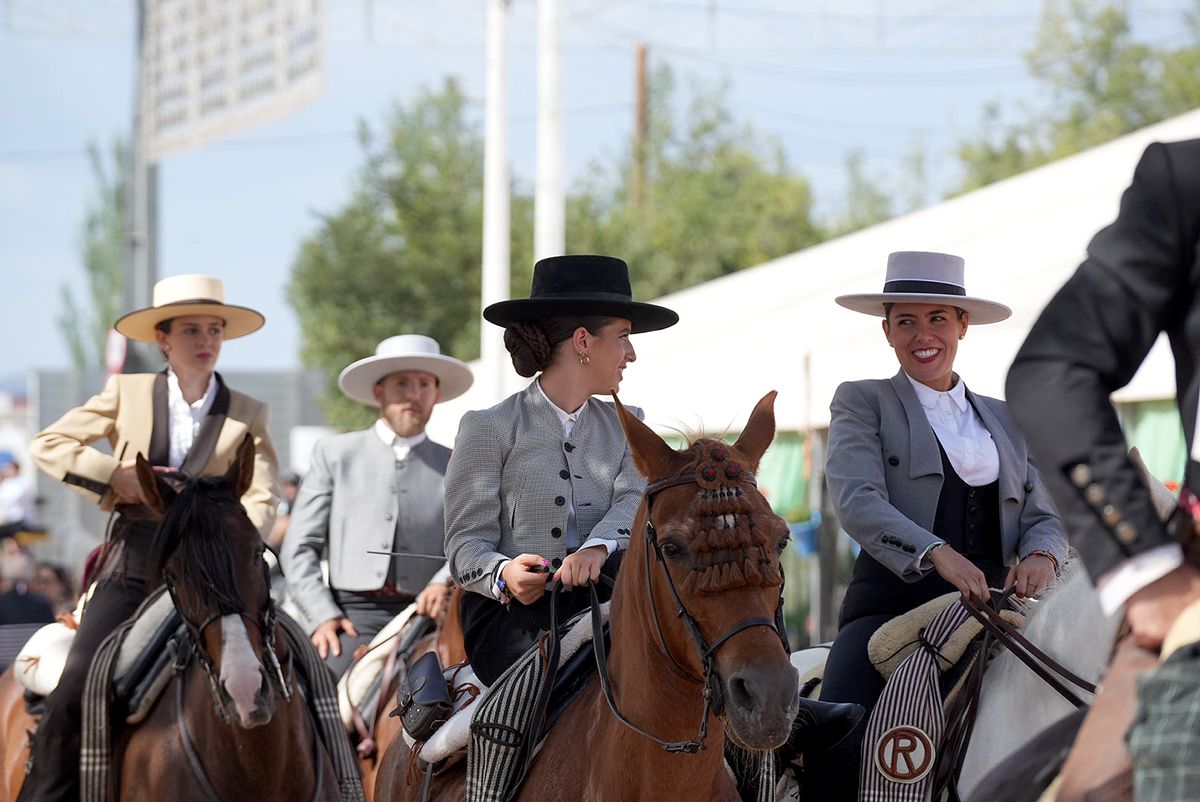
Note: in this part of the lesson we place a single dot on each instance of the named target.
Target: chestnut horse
(15, 726)
(447, 641)
(234, 724)
(695, 652)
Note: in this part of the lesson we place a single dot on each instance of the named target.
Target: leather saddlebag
(423, 701)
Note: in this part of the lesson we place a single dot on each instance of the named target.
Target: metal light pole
(141, 215)
(549, 232)
(496, 200)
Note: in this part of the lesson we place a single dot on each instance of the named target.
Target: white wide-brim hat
(179, 296)
(405, 352)
(924, 277)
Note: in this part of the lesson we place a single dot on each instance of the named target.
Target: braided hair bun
(529, 347)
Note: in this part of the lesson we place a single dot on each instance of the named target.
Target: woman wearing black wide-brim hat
(544, 481)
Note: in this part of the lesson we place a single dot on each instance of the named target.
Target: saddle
(475, 704)
(900, 637)
(360, 687)
(141, 670)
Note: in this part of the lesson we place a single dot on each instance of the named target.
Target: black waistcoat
(967, 518)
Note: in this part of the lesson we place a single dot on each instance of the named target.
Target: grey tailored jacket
(353, 499)
(513, 477)
(884, 473)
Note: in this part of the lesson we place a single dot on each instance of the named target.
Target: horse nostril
(743, 693)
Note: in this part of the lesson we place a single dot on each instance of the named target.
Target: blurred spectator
(55, 583)
(18, 502)
(19, 604)
(290, 480)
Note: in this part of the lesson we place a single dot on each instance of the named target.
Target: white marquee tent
(776, 326)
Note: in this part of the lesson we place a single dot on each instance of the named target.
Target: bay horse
(695, 651)
(233, 725)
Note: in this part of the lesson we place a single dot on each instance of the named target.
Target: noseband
(266, 629)
(713, 699)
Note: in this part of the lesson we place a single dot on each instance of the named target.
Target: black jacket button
(1029, 487)
(556, 563)
(568, 447)
(556, 532)
(565, 474)
(893, 460)
(559, 500)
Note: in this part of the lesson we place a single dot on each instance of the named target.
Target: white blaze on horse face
(240, 674)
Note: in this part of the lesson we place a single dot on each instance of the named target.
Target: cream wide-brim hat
(925, 277)
(179, 296)
(405, 352)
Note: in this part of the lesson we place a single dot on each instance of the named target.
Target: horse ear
(148, 481)
(759, 431)
(651, 454)
(241, 470)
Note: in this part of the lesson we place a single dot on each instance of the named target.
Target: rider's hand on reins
(525, 577)
(1030, 576)
(582, 567)
(960, 572)
(124, 482)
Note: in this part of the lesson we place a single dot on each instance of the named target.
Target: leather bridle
(266, 629)
(712, 696)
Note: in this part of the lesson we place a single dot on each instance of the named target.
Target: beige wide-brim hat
(405, 352)
(925, 277)
(178, 296)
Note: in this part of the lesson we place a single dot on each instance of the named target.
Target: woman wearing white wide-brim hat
(932, 480)
(183, 418)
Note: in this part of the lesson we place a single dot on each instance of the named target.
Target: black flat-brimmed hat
(581, 285)
(925, 277)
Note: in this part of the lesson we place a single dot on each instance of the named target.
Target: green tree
(404, 253)
(1101, 83)
(717, 197)
(866, 203)
(86, 327)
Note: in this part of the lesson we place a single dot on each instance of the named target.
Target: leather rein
(710, 681)
(962, 712)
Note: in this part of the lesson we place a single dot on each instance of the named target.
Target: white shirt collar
(385, 433)
(204, 403)
(929, 397)
(563, 417)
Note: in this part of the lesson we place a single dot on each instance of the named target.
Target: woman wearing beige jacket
(182, 419)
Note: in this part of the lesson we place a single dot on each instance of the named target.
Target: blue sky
(822, 77)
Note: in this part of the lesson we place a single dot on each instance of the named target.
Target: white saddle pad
(39, 664)
(354, 685)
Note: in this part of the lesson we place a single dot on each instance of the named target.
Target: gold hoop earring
(584, 361)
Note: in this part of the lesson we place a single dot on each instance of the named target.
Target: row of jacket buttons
(1081, 477)
(889, 540)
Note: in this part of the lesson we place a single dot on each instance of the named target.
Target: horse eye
(782, 544)
(670, 548)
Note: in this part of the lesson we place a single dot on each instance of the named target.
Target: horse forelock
(196, 538)
(726, 523)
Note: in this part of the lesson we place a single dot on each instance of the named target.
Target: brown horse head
(720, 544)
(211, 557)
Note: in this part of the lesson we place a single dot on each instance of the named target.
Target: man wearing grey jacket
(375, 490)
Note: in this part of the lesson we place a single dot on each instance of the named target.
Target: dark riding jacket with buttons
(884, 472)
(513, 478)
(1141, 278)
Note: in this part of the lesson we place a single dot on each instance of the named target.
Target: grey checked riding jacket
(513, 477)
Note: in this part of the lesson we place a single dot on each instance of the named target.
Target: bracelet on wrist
(1043, 553)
